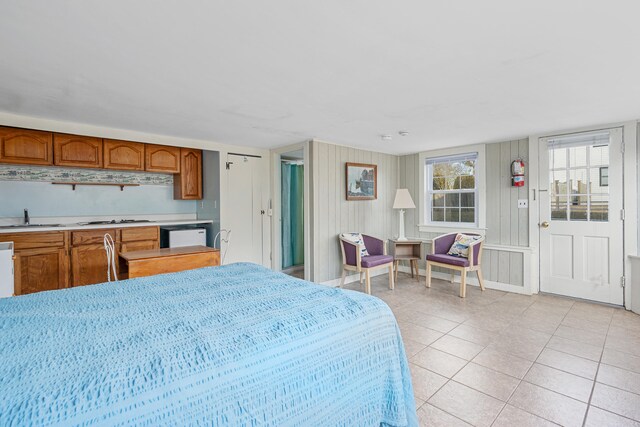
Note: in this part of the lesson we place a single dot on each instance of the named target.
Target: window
(451, 196)
(579, 177)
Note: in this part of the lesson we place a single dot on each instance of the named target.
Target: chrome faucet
(26, 217)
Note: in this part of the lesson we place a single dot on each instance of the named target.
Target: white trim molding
(481, 205)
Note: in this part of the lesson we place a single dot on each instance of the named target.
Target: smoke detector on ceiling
(403, 133)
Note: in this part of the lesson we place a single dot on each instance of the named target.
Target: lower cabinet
(89, 264)
(55, 260)
(37, 270)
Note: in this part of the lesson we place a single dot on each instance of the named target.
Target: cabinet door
(26, 147)
(77, 151)
(39, 270)
(187, 185)
(162, 158)
(89, 265)
(123, 155)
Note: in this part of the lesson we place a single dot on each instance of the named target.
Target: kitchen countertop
(67, 227)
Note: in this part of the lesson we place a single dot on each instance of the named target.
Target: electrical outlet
(523, 203)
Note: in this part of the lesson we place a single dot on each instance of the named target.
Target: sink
(30, 225)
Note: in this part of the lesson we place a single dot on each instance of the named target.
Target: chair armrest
(350, 253)
(475, 252)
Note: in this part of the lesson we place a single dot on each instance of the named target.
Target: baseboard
(471, 280)
(354, 278)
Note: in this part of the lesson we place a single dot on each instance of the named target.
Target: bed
(236, 345)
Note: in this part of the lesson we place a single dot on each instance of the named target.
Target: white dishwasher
(6, 270)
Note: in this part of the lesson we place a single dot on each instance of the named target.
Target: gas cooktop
(113, 221)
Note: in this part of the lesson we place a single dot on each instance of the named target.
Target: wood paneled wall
(506, 224)
(332, 214)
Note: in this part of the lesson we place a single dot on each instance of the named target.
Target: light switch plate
(523, 203)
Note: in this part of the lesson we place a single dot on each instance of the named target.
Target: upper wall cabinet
(187, 185)
(76, 150)
(26, 147)
(162, 158)
(123, 155)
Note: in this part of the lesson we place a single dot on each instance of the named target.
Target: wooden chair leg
(391, 283)
(361, 275)
(480, 279)
(463, 283)
(453, 276)
(428, 280)
(344, 274)
(368, 278)
(411, 267)
(395, 263)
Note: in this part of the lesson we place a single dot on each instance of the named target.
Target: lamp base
(401, 236)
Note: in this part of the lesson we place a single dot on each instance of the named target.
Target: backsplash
(30, 187)
(58, 174)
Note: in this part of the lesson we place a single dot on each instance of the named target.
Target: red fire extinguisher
(517, 173)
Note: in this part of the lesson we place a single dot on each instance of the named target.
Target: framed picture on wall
(362, 181)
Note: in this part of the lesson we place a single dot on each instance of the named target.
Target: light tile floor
(502, 359)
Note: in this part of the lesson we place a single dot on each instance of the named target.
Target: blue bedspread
(237, 345)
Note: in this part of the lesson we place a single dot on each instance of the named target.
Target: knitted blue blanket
(237, 345)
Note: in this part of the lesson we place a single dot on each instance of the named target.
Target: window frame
(426, 224)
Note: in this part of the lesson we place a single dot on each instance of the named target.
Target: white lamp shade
(403, 199)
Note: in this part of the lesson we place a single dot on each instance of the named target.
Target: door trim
(536, 185)
(276, 256)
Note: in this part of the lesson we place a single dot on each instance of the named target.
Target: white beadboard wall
(506, 224)
(332, 214)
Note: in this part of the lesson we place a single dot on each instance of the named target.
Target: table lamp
(403, 201)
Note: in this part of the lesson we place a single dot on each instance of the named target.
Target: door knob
(545, 224)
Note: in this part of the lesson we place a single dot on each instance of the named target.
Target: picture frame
(361, 181)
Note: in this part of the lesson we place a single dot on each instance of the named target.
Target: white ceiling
(271, 73)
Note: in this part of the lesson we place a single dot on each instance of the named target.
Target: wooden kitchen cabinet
(123, 155)
(42, 261)
(26, 147)
(139, 239)
(187, 185)
(89, 265)
(77, 151)
(88, 257)
(162, 158)
(37, 270)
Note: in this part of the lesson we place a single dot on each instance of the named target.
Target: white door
(244, 180)
(581, 230)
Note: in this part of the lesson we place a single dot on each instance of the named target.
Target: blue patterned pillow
(356, 239)
(460, 247)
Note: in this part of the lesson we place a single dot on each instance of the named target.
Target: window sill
(449, 228)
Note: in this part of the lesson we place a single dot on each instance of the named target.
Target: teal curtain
(292, 215)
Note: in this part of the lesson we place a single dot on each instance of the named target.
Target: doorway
(292, 213)
(581, 229)
(244, 181)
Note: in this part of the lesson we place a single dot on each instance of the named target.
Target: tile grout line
(529, 369)
(595, 379)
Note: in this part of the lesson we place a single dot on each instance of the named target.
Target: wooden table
(168, 260)
(407, 250)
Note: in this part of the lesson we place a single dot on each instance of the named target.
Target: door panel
(244, 181)
(581, 253)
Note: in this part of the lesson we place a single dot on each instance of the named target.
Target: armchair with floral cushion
(362, 254)
(457, 252)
